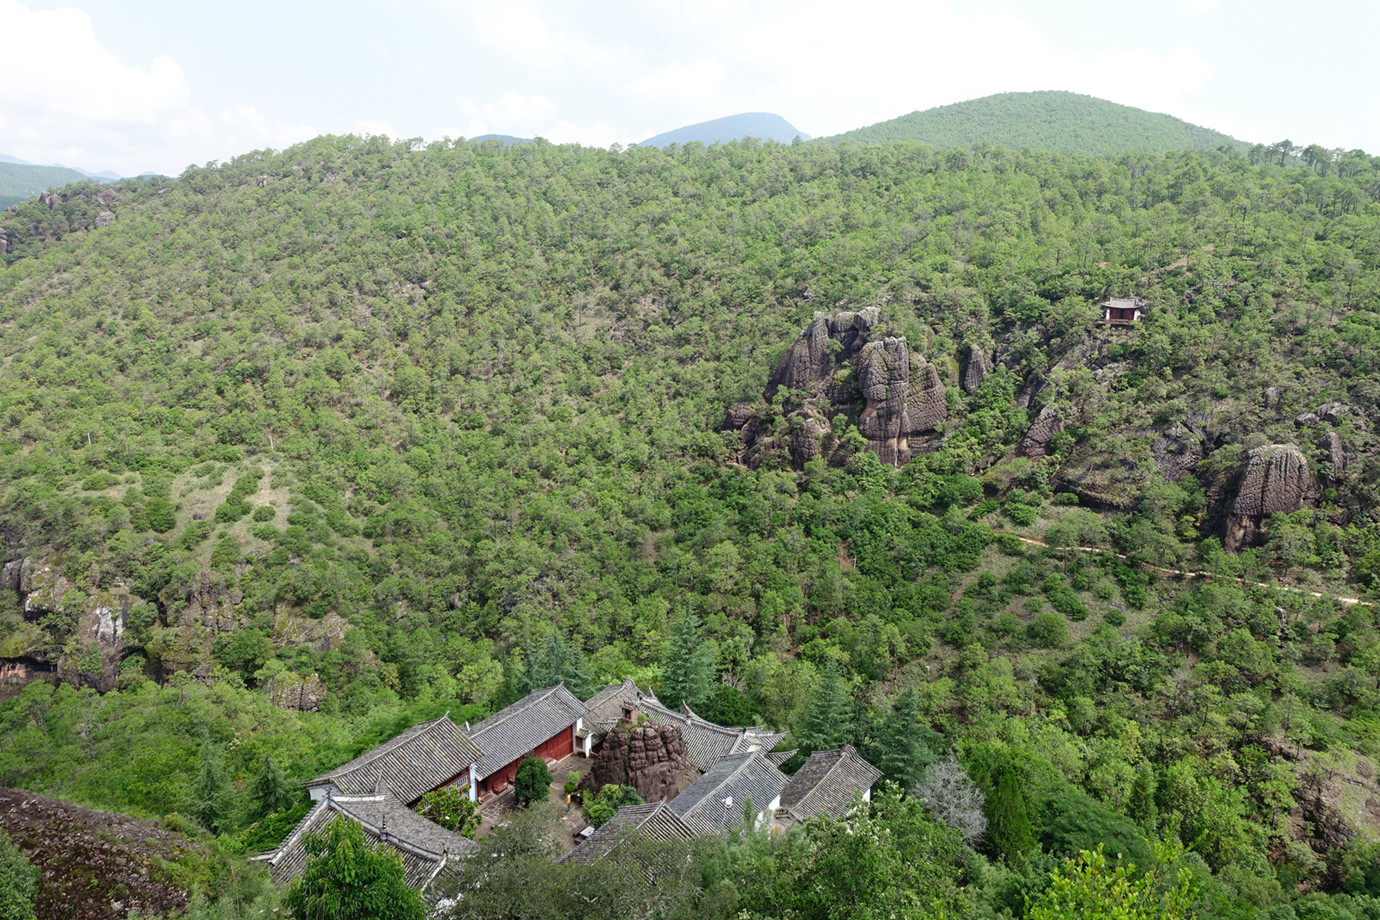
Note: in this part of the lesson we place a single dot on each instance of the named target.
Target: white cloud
(65, 97)
(1198, 7)
(369, 126)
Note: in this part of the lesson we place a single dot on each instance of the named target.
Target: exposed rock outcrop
(1046, 426)
(838, 366)
(1177, 451)
(649, 758)
(291, 690)
(96, 864)
(1276, 479)
(975, 369)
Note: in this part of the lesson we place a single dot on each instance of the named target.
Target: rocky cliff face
(839, 365)
(1276, 478)
(649, 758)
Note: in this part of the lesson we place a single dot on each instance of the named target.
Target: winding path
(1348, 601)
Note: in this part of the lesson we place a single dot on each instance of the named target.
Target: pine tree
(689, 666)
(828, 720)
(211, 790)
(271, 791)
(577, 676)
(1009, 832)
(905, 746)
(1140, 806)
(546, 668)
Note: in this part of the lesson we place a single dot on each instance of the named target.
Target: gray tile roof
(516, 729)
(778, 759)
(412, 764)
(827, 783)
(425, 847)
(739, 777)
(706, 743)
(655, 822)
(606, 708)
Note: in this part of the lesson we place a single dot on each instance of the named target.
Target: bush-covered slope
(1049, 120)
(358, 426)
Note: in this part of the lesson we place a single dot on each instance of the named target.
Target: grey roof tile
(422, 758)
(738, 777)
(518, 728)
(655, 822)
(425, 847)
(827, 783)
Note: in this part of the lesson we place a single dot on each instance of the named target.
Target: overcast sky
(162, 84)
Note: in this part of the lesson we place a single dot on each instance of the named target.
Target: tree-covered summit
(1048, 120)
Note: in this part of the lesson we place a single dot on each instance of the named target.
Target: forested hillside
(303, 447)
(1048, 120)
(764, 126)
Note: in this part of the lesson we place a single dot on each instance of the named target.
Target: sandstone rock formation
(975, 369)
(1177, 451)
(290, 690)
(1276, 478)
(649, 758)
(1047, 424)
(838, 365)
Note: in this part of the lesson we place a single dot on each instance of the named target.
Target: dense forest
(305, 447)
(1049, 120)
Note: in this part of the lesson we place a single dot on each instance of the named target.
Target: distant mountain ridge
(20, 181)
(763, 125)
(1047, 120)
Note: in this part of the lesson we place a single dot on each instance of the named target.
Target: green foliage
(828, 719)
(18, 882)
(688, 664)
(905, 746)
(532, 782)
(271, 791)
(450, 807)
(348, 879)
(1048, 120)
(1010, 834)
(211, 794)
(605, 804)
(1087, 887)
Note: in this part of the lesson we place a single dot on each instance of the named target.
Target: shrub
(450, 807)
(606, 804)
(533, 781)
(1047, 630)
(264, 513)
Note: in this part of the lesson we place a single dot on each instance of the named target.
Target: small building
(828, 783)
(652, 822)
(611, 705)
(705, 742)
(718, 798)
(427, 849)
(425, 757)
(1123, 311)
(544, 723)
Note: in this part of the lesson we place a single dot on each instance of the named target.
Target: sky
(158, 85)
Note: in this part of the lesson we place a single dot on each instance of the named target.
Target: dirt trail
(1193, 574)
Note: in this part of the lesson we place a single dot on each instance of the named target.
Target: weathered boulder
(1177, 451)
(836, 366)
(884, 379)
(1336, 454)
(649, 758)
(975, 369)
(926, 405)
(1276, 479)
(1272, 396)
(290, 690)
(1046, 426)
(105, 218)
